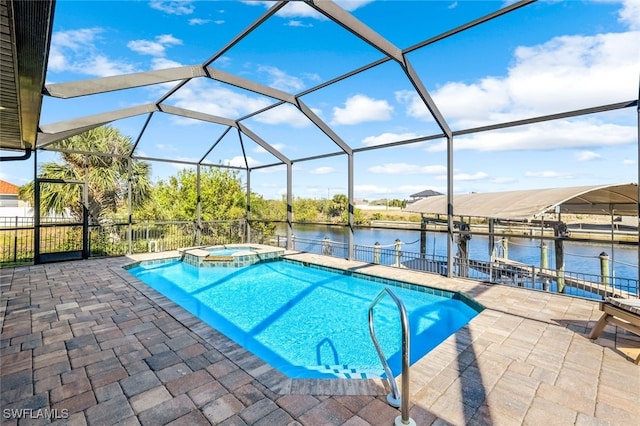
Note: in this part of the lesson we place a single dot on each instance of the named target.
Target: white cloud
(548, 174)
(352, 5)
(565, 73)
(214, 99)
(587, 156)
(629, 162)
(279, 79)
(284, 114)
(164, 63)
(173, 7)
(102, 66)
(199, 21)
(165, 147)
(407, 169)
(222, 62)
(387, 137)
(322, 170)
(154, 48)
(296, 23)
(274, 169)
(630, 14)
(75, 51)
(238, 161)
(298, 9)
(465, 176)
(312, 76)
(580, 133)
(260, 150)
(168, 39)
(361, 108)
(146, 47)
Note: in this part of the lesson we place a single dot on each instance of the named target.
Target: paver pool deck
(87, 343)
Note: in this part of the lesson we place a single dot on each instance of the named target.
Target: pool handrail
(395, 398)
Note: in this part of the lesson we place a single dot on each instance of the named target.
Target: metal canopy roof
(26, 29)
(621, 199)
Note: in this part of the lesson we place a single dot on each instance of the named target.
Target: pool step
(346, 372)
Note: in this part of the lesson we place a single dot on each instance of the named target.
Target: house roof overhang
(25, 34)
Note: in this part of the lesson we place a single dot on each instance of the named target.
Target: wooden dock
(513, 268)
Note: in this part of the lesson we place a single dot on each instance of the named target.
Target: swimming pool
(307, 321)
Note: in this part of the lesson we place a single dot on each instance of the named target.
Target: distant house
(8, 194)
(10, 205)
(423, 194)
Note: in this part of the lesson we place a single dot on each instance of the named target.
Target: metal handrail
(395, 398)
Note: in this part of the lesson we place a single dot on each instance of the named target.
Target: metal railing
(571, 283)
(111, 238)
(395, 398)
(16, 240)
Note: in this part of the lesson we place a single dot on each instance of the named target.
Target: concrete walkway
(86, 343)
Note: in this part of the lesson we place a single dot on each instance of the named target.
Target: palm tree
(107, 176)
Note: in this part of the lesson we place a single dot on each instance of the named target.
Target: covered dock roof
(618, 199)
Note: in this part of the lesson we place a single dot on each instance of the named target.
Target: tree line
(222, 196)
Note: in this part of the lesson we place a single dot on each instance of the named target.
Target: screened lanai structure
(309, 98)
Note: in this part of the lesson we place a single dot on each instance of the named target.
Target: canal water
(579, 257)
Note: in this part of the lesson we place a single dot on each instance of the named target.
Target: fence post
(505, 248)
(544, 258)
(604, 268)
(293, 242)
(376, 253)
(326, 248)
(533, 276)
(398, 243)
(15, 242)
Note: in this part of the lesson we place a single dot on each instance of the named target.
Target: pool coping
(260, 370)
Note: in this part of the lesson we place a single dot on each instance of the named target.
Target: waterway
(580, 257)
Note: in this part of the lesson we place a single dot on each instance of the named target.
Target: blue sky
(545, 58)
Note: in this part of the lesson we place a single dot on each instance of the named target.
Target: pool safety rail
(395, 398)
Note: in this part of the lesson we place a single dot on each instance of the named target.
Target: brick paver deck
(87, 343)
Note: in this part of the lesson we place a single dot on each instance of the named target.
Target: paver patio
(97, 346)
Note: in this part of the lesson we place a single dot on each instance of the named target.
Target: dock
(512, 268)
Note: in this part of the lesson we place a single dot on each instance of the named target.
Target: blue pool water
(305, 321)
(228, 251)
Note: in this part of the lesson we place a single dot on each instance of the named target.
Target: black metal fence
(16, 240)
(110, 238)
(570, 283)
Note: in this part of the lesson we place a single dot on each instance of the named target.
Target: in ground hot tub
(230, 255)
